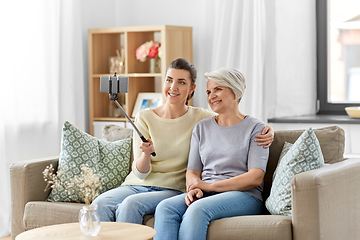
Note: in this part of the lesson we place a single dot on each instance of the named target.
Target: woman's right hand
(266, 138)
(147, 147)
(193, 195)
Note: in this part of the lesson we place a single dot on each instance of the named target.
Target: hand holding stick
(114, 98)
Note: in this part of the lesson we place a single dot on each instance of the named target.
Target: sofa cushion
(256, 227)
(114, 133)
(332, 143)
(304, 155)
(110, 160)
(41, 213)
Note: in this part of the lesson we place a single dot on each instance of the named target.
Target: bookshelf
(176, 41)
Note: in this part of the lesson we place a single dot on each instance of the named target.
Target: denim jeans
(130, 203)
(174, 220)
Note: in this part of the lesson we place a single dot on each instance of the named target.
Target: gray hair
(231, 78)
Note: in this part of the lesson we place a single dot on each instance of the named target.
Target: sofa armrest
(325, 202)
(27, 184)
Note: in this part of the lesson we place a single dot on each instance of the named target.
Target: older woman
(226, 167)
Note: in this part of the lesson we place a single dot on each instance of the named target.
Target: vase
(89, 220)
(154, 65)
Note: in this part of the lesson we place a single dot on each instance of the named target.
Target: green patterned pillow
(304, 155)
(284, 150)
(110, 160)
(114, 162)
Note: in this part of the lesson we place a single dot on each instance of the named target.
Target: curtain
(42, 83)
(234, 36)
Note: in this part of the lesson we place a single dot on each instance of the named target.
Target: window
(338, 55)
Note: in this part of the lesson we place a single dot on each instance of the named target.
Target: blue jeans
(130, 203)
(174, 220)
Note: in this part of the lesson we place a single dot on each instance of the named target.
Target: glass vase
(154, 65)
(89, 220)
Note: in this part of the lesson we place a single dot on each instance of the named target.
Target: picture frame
(147, 100)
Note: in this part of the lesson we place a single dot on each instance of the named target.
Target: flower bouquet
(82, 188)
(152, 50)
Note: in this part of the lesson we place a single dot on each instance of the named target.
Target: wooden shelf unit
(176, 41)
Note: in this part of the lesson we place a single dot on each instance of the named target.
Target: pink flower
(149, 49)
(141, 53)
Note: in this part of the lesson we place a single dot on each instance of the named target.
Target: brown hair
(183, 64)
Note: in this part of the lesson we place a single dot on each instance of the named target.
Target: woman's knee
(131, 203)
(196, 209)
(164, 207)
(169, 208)
(101, 202)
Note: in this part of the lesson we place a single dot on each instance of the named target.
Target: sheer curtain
(234, 36)
(42, 83)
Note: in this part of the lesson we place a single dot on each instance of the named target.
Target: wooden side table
(71, 231)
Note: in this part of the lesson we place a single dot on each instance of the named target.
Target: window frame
(325, 107)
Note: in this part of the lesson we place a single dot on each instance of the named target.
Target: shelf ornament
(117, 64)
(152, 50)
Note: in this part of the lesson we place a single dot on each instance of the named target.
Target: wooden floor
(6, 238)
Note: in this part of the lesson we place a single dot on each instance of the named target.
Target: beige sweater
(171, 138)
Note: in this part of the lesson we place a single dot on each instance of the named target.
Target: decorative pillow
(114, 162)
(108, 159)
(113, 133)
(304, 155)
(284, 150)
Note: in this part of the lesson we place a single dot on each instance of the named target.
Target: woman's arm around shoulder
(266, 138)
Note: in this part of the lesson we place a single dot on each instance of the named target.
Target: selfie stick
(114, 97)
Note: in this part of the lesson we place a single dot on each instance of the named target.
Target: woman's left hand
(266, 138)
